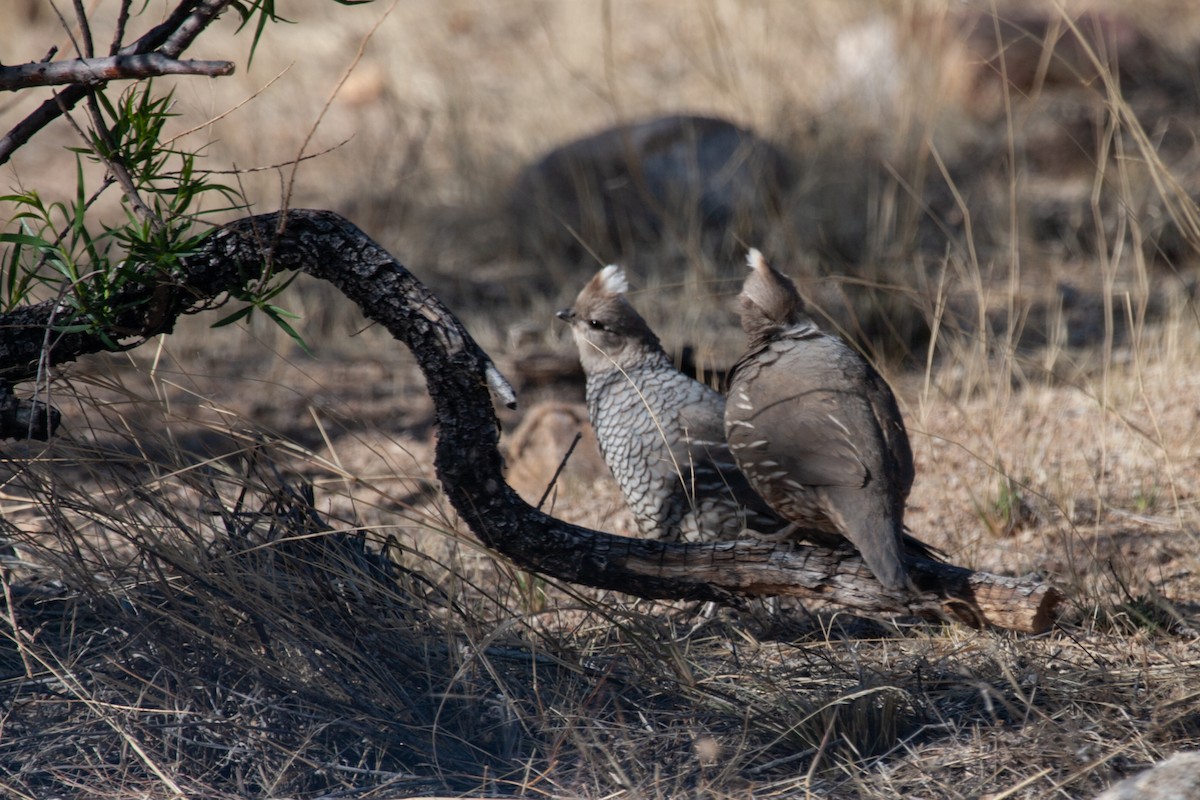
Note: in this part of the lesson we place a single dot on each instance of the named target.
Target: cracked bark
(461, 380)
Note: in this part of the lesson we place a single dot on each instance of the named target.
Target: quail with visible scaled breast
(816, 429)
(660, 431)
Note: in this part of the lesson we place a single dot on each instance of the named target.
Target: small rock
(1177, 778)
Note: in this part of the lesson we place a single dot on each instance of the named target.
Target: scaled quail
(816, 429)
(661, 432)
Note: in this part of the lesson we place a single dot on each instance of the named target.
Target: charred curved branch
(25, 418)
(461, 379)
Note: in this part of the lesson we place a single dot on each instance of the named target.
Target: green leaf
(288, 329)
(263, 12)
(21, 239)
(240, 314)
(74, 328)
(274, 291)
(276, 312)
(16, 279)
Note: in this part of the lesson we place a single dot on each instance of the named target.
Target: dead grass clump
(177, 624)
(203, 630)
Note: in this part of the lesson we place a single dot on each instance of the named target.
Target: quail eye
(595, 324)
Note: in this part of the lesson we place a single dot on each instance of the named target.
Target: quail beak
(565, 314)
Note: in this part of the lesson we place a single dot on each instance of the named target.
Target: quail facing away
(816, 429)
(661, 432)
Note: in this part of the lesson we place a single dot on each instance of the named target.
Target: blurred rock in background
(631, 185)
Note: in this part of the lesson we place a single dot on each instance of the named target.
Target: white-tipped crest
(769, 301)
(612, 280)
(755, 260)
